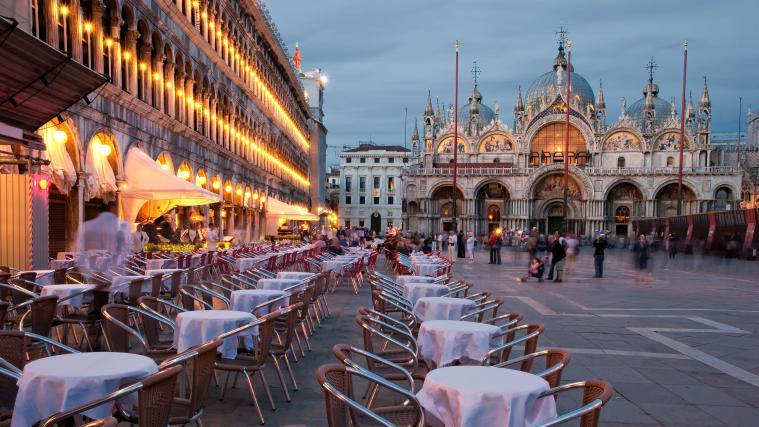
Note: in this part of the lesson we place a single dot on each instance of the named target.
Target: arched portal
(102, 166)
(548, 204)
(723, 199)
(444, 217)
(623, 202)
(666, 200)
(547, 146)
(490, 206)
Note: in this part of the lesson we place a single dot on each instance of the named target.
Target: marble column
(131, 65)
(75, 29)
(189, 103)
(97, 41)
(52, 15)
(146, 74)
(168, 84)
(158, 89)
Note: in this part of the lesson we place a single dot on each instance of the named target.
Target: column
(168, 84)
(212, 124)
(75, 29)
(179, 100)
(206, 118)
(189, 102)
(131, 47)
(114, 52)
(157, 84)
(146, 74)
(52, 15)
(204, 22)
(97, 29)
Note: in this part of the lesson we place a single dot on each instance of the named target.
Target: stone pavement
(680, 350)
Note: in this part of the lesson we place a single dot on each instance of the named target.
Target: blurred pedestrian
(672, 245)
(139, 240)
(452, 240)
(461, 245)
(599, 249)
(558, 256)
(536, 269)
(642, 251)
(470, 242)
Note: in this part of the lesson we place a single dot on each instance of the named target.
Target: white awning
(288, 212)
(147, 182)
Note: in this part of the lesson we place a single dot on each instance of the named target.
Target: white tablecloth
(156, 263)
(61, 263)
(58, 383)
(44, 277)
(414, 291)
(426, 268)
(403, 279)
(442, 308)
(194, 260)
(335, 264)
(243, 264)
(120, 284)
(166, 272)
(464, 396)
(445, 341)
(280, 284)
(294, 275)
(62, 291)
(197, 327)
(248, 299)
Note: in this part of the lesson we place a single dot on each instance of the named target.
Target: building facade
(370, 186)
(204, 87)
(511, 176)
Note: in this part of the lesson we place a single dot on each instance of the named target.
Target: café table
(120, 284)
(66, 290)
(248, 299)
(469, 396)
(414, 291)
(244, 264)
(295, 275)
(426, 268)
(403, 279)
(446, 341)
(157, 263)
(196, 327)
(442, 308)
(59, 383)
(43, 277)
(335, 264)
(280, 284)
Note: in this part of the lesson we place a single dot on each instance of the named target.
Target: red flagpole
(565, 181)
(682, 133)
(455, 137)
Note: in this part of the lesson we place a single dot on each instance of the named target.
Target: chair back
(156, 396)
(42, 314)
(202, 373)
(156, 283)
(116, 337)
(337, 411)
(176, 281)
(12, 349)
(59, 275)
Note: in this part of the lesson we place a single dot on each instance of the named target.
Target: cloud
(382, 56)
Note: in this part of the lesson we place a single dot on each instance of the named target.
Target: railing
(592, 171)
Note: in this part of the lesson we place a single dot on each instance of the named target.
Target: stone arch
(201, 178)
(607, 190)
(115, 157)
(411, 192)
(444, 144)
(687, 183)
(615, 140)
(575, 122)
(667, 140)
(586, 185)
(666, 199)
(496, 142)
(165, 161)
(438, 186)
(482, 183)
(185, 172)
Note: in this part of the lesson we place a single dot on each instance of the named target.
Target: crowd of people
(163, 230)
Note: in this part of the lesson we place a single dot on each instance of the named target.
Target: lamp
(239, 192)
(60, 136)
(216, 185)
(184, 174)
(103, 149)
(228, 188)
(201, 180)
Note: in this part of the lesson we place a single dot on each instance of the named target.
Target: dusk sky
(383, 56)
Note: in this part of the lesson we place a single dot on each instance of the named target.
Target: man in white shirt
(452, 240)
(212, 238)
(139, 240)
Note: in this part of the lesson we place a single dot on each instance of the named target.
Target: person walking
(470, 242)
(461, 245)
(496, 242)
(452, 240)
(139, 240)
(558, 257)
(212, 238)
(440, 239)
(532, 244)
(599, 248)
(672, 245)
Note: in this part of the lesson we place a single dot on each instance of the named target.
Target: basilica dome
(662, 108)
(553, 83)
(486, 113)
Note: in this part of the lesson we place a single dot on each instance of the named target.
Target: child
(536, 269)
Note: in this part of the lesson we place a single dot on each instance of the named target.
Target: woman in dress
(470, 241)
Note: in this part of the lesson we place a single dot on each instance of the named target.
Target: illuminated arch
(165, 161)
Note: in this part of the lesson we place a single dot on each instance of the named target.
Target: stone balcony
(591, 171)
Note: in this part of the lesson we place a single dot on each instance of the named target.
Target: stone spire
(600, 102)
(415, 132)
(520, 104)
(428, 108)
(705, 102)
(689, 113)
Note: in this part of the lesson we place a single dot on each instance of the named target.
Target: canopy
(147, 182)
(61, 168)
(288, 212)
(37, 81)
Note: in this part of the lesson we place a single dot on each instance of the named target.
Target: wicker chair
(154, 396)
(286, 330)
(556, 360)
(39, 318)
(91, 319)
(343, 411)
(116, 330)
(501, 353)
(595, 394)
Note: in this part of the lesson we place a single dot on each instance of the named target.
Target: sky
(384, 56)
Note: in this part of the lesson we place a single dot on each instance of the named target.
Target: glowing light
(88, 27)
(164, 166)
(64, 10)
(323, 79)
(239, 192)
(263, 198)
(211, 25)
(198, 104)
(223, 214)
(43, 184)
(204, 15)
(255, 196)
(109, 42)
(143, 66)
(216, 185)
(168, 85)
(184, 174)
(60, 136)
(228, 188)
(201, 180)
(247, 194)
(127, 55)
(156, 76)
(103, 150)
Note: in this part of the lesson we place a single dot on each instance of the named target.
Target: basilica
(510, 176)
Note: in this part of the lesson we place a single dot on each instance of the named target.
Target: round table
(427, 268)
(403, 279)
(445, 341)
(58, 383)
(414, 291)
(120, 284)
(42, 277)
(335, 264)
(196, 327)
(244, 264)
(280, 284)
(63, 291)
(460, 396)
(156, 263)
(442, 308)
(248, 299)
(294, 275)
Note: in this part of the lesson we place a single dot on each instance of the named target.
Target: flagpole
(455, 138)
(682, 134)
(565, 181)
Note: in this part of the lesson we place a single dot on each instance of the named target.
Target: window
(347, 223)
(347, 200)
(391, 159)
(376, 182)
(376, 200)
(348, 182)
(390, 200)
(389, 223)
(361, 223)
(550, 140)
(405, 160)
(391, 183)
(362, 184)
(362, 160)
(376, 160)
(670, 161)
(621, 162)
(362, 200)
(348, 160)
